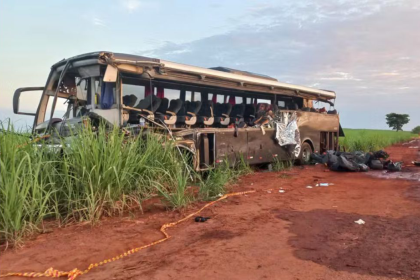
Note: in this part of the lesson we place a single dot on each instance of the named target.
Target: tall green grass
(26, 186)
(372, 140)
(97, 173)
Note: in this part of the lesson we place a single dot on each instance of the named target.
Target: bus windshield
(76, 97)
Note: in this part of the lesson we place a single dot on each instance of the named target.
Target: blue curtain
(107, 95)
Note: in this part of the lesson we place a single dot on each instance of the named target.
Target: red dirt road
(299, 234)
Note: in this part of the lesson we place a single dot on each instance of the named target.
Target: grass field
(369, 140)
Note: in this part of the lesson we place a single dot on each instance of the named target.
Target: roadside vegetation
(282, 165)
(372, 140)
(99, 174)
(107, 173)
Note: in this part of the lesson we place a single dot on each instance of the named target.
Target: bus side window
(281, 104)
(197, 96)
(238, 100)
(132, 93)
(268, 101)
(188, 96)
(172, 94)
(220, 98)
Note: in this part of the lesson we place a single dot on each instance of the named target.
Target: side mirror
(16, 98)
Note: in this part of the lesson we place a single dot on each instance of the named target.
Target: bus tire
(305, 153)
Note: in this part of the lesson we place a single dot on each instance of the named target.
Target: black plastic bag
(376, 164)
(394, 166)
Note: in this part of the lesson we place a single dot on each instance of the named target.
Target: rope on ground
(72, 274)
(34, 140)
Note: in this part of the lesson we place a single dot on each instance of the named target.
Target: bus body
(212, 113)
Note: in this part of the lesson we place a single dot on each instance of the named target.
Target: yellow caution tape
(72, 274)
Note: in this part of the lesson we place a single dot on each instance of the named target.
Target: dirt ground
(303, 233)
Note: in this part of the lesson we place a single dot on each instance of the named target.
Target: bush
(416, 130)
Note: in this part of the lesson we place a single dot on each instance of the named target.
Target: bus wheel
(305, 153)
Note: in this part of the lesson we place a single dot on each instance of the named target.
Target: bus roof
(244, 79)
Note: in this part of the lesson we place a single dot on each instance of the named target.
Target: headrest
(130, 100)
(175, 105)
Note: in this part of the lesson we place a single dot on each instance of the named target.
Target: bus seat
(169, 115)
(148, 105)
(188, 114)
(130, 100)
(163, 106)
(249, 114)
(161, 110)
(205, 115)
(221, 114)
(237, 113)
(192, 110)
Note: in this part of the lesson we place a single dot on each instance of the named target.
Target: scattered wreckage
(356, 161)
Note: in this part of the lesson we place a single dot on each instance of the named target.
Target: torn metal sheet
(287, 130)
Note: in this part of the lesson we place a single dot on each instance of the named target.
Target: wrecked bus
(215, 114)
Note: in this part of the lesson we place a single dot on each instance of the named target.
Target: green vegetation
(281, 165)
(100, 173)
(215, 181)
(416, 130)
(372, 140)
(107, 173)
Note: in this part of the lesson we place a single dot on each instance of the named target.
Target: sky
(367, 51)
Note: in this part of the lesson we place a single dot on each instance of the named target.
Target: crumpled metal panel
(287, 131)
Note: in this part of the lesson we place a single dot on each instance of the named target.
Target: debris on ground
(309, 187)
(281, 191)
(394, 166)
(356, 161)
(200, 219)
(360, 222)
(416, 163)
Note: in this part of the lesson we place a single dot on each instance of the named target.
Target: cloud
(131, 5)
(98, 22)
(389, 74)
(340, 76)
(360, 48)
